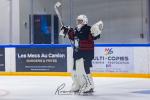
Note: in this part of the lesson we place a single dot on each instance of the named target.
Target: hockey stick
(56, 7)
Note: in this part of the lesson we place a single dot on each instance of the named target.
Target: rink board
(111, 60)
(94, 74)
(2, 59)
(41, 59)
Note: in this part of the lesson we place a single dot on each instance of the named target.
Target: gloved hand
(65, 28)
(97, 29)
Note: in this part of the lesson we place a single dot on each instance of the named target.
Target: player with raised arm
(83, 37)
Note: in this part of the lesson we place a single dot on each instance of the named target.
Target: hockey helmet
(82, 19)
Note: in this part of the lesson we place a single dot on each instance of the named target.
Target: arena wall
(111, 60)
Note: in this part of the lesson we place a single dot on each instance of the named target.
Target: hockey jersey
(85, 40)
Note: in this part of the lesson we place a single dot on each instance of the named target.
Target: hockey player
(83, 37)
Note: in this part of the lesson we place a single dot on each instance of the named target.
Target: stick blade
(58, 4)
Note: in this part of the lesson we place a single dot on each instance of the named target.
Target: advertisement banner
(41, 60)
(113, 59)
(2, 59)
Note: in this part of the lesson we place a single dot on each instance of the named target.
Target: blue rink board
(68, 45)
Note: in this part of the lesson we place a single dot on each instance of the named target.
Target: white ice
(44, 88)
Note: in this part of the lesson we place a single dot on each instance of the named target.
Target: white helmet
(83, 18)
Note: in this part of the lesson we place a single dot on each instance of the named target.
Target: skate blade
(88, 93)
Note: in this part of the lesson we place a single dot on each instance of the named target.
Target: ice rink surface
(44, 88)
